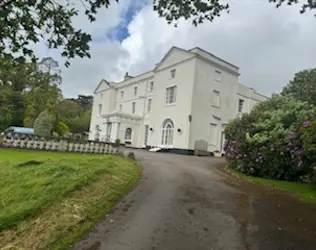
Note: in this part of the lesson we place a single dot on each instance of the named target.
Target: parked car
(19, 130)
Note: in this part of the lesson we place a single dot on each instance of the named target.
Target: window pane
(218, 75)
(173, 73)
(167, 96)
(171, 94)
(149, 105)
(128, 134)
(240, 105)
(168, 137)
(133, 107)
(151, 86)
(216, 98)
(100, 109)
(171, 137)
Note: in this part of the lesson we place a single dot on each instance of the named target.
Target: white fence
(32, 142)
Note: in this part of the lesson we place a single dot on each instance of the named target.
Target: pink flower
(300, 163)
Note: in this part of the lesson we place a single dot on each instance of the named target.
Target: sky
(268, 44)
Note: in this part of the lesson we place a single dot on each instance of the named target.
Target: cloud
(84, 74)
(268, 44)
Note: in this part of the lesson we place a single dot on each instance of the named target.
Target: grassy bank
(305, 192)
(48, 199)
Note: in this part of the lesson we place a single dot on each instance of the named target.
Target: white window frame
(213, 134)
(128, 134)
(151, 86)
(97, 132)
(133, 107)
(241, 103)
(168, 100)
(99, 109)
(216, 94)
(173, 73)
(218, 76)
(149, 103)
(167, 133)
(135, 91)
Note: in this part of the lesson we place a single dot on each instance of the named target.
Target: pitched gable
(173, 56)
(103, 85)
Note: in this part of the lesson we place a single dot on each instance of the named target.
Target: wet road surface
(186, 203)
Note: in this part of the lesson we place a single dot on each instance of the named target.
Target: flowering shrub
(277, 140)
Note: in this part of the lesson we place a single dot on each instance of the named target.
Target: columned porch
(123, 126)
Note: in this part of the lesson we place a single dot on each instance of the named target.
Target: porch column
(104, 131)
(114, 131)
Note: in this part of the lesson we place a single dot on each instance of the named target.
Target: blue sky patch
(120, 32)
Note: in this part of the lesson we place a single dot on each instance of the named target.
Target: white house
(190, 95)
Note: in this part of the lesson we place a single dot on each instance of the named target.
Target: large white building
(190, 95)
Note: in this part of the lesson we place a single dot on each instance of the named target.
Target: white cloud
(84, 74)
(268, 44)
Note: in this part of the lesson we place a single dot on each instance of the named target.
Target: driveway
(186, 203)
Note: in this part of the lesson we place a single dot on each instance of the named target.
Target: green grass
(65, 192)
(305, 192)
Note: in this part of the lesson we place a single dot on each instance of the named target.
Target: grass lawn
(48, 199)
(303, 191)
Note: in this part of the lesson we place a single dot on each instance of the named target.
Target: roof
(21, 130)
(190, 51)
(100, 83)
(168, 53)
(205, 51)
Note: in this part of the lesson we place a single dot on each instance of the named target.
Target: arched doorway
(167, 133)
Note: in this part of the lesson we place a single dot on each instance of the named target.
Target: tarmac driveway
(186, 203)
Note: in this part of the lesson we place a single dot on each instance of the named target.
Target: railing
(33, 142)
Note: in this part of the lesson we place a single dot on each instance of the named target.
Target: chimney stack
(126, 77)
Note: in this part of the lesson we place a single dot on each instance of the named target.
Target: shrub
(55, 134)
(117, 142)
(61, 128)
(43, 124)
(274, 141)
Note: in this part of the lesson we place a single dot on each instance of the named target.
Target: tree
(303, 86)
(68, 108)
(25, 22)
(84, 101)
(79, 124)
(24, 79)
(76, 113)
(43, 124)
(40, 98)
(18, 109)
(6, 107)
(51, 70)
(43, 93)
